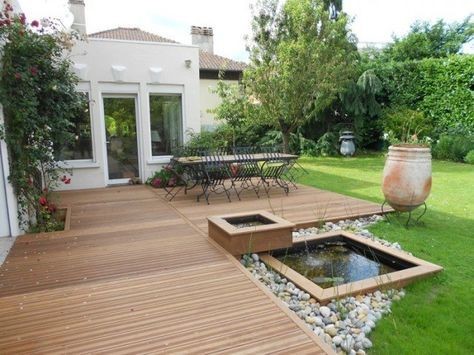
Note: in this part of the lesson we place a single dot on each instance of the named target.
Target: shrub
(40, 101)
(469, 158)
(327, 145)
(161, 178)
(454, 147)
(440, 88)
(405, 125)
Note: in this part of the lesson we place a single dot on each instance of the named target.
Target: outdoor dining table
(231, 158)
(192, 166)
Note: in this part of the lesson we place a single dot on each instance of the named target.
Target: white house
(211, 65)
(143, 98)
(144, 93)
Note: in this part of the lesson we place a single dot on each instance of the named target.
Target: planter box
(251, 232)
(63, 214)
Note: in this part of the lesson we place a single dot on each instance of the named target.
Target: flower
(43, 201)
(22, 18)
(34, 71)
(156, 182)
(34, 23)
(67, 181)
(17, 76)
(51, 207)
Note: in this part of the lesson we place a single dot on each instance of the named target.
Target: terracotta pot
(407, 176)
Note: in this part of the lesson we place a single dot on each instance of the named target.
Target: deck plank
(135, 274)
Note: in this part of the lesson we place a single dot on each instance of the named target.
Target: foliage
(430, 41)
(425, 319)
(440, 88)
(299, 60)
(403, 125)
(469, 158)
(235, 107)
(453, 147)
(162, 178)
(221, 137)
(37, 91)
(327, 145)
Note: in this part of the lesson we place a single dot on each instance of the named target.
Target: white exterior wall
(93, 64)
(4, 223)
(8, 203)
(209, 100)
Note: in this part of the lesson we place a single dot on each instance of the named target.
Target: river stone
(337, 340)
(318, 321)
(331, 330)
(366, 343)
(370, 324)
(325, 311)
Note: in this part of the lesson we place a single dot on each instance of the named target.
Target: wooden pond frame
(396, 279)
(265, 237)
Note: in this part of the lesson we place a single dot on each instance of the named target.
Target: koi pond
(338, 262)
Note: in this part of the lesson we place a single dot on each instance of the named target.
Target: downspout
(5, 192)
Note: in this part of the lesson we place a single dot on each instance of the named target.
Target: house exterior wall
(142, 68)
(9, 224)
(209, 100)
(4, 223)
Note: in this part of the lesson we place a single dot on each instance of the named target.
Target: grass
(436, 315)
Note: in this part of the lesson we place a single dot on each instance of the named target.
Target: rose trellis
(37, 92)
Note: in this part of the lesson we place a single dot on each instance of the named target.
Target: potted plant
(406, 180)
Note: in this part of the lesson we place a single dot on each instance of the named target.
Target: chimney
(77, 8)
(203, 37)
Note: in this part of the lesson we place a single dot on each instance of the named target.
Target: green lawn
(437, 315)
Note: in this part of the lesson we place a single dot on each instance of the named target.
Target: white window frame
(84, 87)
(163, 90)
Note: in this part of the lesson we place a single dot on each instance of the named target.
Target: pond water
(334, 263)
(248, 221)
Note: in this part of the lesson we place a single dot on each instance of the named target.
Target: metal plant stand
(425, 207)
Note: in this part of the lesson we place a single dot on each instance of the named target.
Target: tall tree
(431, 41)
(299, 60)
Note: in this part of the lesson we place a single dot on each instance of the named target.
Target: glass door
(121, 138)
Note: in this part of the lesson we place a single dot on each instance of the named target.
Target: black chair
(294, 172)
(274, 169)
(182, 176)
(246, 169)
(215, 174)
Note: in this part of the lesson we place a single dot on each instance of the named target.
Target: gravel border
(343, 323)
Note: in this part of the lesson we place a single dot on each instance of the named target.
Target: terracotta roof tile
(130, 34)
(210, 61)
(207, 61)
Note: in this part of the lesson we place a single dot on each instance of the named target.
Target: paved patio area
(137, 274)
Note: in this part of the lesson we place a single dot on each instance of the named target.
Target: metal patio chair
(246, 169)
(215, 174)
(274, 169)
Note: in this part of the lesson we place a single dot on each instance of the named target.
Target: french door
(120, 122)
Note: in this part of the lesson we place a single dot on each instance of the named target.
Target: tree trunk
(286, 142)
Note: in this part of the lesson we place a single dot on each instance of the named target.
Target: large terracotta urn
(407, 176)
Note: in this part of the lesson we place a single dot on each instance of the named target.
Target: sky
(373, 20)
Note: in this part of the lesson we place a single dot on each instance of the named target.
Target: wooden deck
(304, 206)
(136, 274)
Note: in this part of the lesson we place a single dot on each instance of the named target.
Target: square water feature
(339, 263)
(251, 232)
(248, 221)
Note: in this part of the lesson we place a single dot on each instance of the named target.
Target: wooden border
(255, 239)
(395, 279)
